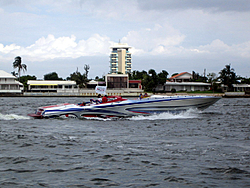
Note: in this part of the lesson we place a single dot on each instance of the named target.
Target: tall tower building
(120, 58)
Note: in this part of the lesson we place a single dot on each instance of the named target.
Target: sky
(173, 35)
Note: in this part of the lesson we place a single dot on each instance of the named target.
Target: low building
(135, 84)
(92, 84)
(52, 86)
(117, 81)
(185, 86)
(8, 84)
(182, 82)
(120, 84)
(241, 88)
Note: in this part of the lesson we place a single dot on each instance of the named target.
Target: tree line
(150, 79)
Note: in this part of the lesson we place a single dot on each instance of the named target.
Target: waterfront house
(8, 84)
(182, 77)
(241, 88)
(182, 82)
(52, 86)
(185, 86)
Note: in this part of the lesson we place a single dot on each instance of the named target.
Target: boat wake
(183, 115)
(12, 117)
(97, 118)
(192, 113)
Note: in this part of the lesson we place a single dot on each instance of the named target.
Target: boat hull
(128, 108)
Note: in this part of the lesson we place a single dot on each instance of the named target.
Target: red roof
(178, 75)
(134, 81)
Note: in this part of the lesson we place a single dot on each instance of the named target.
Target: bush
(173, 90)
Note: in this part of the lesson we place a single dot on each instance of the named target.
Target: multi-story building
(8, 84)
(120, 59)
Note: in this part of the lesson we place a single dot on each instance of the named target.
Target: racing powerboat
(120, 107)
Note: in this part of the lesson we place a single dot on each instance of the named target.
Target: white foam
(98, 118)
(184, 115)
(12, 117)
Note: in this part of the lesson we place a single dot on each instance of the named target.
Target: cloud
(62, 47)
(157, 40)
(219, 48)
(216, 5)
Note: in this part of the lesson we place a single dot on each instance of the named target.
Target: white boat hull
(128, 108)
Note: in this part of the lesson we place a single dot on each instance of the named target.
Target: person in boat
(140, 96)
(92, 102)
(83, 104)
(145, 95)
(99, 99)
(104, 99)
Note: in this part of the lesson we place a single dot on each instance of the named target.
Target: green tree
(174, 74)
(244, 80)
(24, 80)
(79, 78)
(150, 80)
(228, 77)
(14, 73)
(198, 78)
(97, 78)
(212, 79)
(162, 77)
(137, 75)
(86, 69)
(18, 64)
(51, 76)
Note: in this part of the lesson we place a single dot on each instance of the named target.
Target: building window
(117, 82)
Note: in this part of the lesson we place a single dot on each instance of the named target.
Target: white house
(182, 77)
(182, 82)
(8, 84)
(242, 87)
(186, 86)
(52, 86)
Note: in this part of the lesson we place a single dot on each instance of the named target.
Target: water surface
(193, 149)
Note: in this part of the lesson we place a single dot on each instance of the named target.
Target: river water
(194, 149)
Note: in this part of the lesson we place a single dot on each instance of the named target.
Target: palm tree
(228, 77)
(18, 64)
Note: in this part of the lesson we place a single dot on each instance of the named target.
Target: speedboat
(120, 107)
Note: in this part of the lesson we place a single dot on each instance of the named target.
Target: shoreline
(223, 95)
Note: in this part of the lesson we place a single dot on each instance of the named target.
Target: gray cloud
(210, 5)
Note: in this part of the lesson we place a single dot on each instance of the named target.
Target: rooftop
(4, 74)
(120, 45)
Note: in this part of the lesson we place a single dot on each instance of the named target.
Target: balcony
(113, 56)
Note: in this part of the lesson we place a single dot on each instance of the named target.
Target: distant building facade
(52, 86)
(185, 86)
(120, 59)
(182, 77)
(8, 84)
(117, 81)
(241, 88)
(182, 82)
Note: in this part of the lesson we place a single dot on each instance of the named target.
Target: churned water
(194, 149)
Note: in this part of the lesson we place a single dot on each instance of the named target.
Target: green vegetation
(150, 80)
(228, 77)
(51, 76)
(79, 78)
(24, 80)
